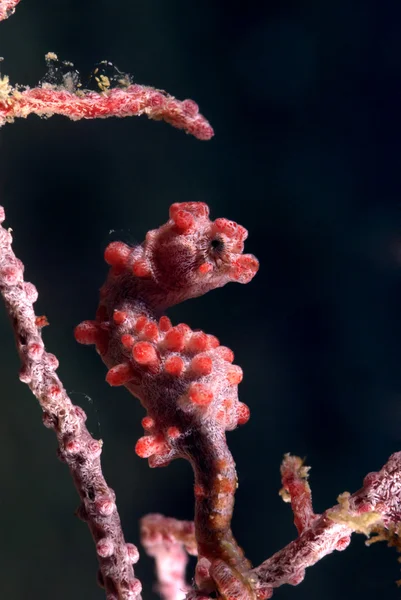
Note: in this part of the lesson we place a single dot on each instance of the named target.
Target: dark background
(305, 98)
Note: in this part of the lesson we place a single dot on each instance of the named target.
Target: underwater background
(305, 99)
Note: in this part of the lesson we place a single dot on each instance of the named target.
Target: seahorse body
(184, 378)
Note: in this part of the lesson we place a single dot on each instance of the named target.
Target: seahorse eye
(217, 245)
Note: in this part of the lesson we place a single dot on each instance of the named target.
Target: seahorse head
(184, 258)
(191, 254)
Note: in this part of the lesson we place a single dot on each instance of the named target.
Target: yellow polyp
(5, 90)
(360, 523)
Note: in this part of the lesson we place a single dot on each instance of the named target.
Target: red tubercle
(174, 365)
(200, 394)
(127, 341)
(243, 413)
(141, 268)
(245, 268)
(145, 354)
(198, 209)
(225, 353)
(86, 332)
(234, 375)
(148, 423)
(119, 374)
(212, 341)
(173, 433)
(117, 254)
(119, 316)
(198, 342)
(140, 324)
(151, 331)
(174, 339)
(231, 229)
(164, 324)
(201, 364)
(148, 445)
(184, 221)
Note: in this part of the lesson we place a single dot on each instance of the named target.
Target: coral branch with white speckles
(374, 509)
(77, 448)
(132, 100)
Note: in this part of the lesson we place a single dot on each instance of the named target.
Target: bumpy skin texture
(185, 379)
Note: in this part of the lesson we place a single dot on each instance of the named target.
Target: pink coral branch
(375, 508)
(169, 541)
(294, 477)
(7, 8)
(132, 100)
(77, 448)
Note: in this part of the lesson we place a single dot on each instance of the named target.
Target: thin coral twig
(7, 8)
(77, 448)
(168, 541)
(128, 101)
(294, 476)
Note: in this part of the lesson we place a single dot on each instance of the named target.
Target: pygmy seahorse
(184, 378)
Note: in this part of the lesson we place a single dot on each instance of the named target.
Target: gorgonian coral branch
(127, 101)
(374, 509)
(77, 448)
(7, 8)
(168, 541)
(294, 477)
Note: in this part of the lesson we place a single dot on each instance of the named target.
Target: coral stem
(133, 100)
(77, 448)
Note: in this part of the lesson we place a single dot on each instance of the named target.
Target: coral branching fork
(186, 382)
